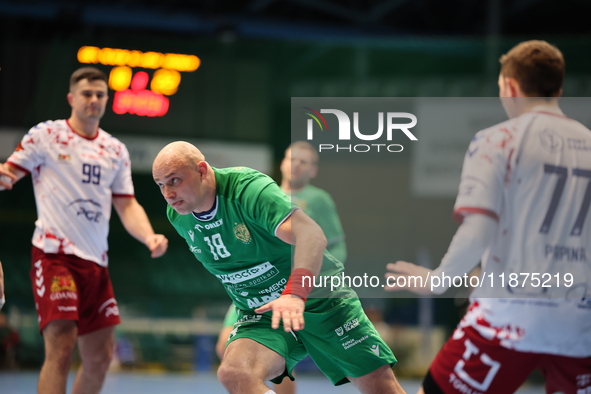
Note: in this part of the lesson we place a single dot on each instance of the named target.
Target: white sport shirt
(74, 179)
(533, 174)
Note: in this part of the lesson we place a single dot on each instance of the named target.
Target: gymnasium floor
(144, 383)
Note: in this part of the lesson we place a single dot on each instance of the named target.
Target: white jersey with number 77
(533, 175)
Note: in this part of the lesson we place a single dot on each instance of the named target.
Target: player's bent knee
(229, 374)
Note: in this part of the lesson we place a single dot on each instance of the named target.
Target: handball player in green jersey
(240, 225)
(298, 168)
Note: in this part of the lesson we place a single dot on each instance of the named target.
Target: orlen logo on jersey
(344, 134)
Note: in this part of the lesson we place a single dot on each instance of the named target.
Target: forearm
(467, 246)
(135, 220)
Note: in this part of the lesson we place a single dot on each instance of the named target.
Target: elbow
(322, 238)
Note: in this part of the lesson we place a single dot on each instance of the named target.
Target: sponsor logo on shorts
(61, 283)
(348, 326)
(242, 233)
(353, 342)
(109, 307)
(461, 386)
(376, 349)
(63, 295)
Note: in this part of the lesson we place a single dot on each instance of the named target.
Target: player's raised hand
(408, 276)
(289, 308)
(157, 243)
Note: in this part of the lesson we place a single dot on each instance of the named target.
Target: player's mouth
(176, 203)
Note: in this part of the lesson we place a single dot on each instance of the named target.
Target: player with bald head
(240, 225)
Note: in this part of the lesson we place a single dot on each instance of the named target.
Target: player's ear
(514, 88)
(70, 97)
(202, 168)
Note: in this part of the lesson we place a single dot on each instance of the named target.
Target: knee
(98, 362)
(229, 374)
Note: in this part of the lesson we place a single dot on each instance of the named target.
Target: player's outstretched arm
(9, 175)
(471, 240)
(136, 222)
(310, 242)
(415, 277)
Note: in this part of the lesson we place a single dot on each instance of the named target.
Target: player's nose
(167, 192)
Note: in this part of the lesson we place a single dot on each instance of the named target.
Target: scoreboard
(132, 95)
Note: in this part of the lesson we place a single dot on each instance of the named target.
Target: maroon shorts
(469, 363)
(67, 287)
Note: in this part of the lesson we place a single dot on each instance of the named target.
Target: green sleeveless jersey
(319, 206)
(239, 244)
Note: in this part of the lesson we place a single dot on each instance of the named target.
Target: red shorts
(470, 364)
(67, 287)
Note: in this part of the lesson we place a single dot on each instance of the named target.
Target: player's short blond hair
(305, 145)
(537, 66)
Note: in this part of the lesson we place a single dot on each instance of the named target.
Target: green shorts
(338, 336)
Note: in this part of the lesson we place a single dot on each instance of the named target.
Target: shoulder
(49, 127)
(112, 143)
(234, 181)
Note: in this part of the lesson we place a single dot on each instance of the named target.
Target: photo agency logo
(372, 141)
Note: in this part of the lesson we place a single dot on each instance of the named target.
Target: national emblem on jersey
(242, 233)
(61, 283)
(62, 158)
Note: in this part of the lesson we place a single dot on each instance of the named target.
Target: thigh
(469, 363)
(55, 291)
(257, 328)
(59, 337)
(568, 375)
(343, 342)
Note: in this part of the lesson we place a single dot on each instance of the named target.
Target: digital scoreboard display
(136, 92)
